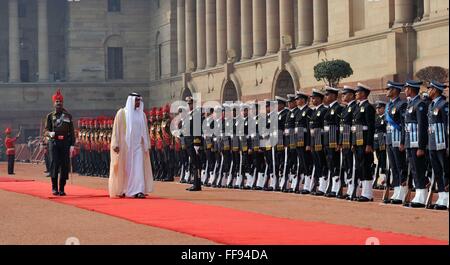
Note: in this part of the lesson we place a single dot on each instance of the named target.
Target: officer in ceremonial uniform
(59, 128)
(438, 141)
(281, 153)
(242, 131)
(226, 133)
(332, 119)
(395, 141)
(208, 138)
(316, 126)
(348, 97)
(303, 143)
(290, 138)
(379, 144)
(235, 146)
(269, 140)
(363, 129)
(257, 159)
(10, 143)
(194, 144)
(416, 140)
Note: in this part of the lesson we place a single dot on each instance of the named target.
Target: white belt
(364, 128)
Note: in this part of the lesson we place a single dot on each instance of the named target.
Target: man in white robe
(130, 171)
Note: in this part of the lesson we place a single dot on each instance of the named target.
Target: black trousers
(347, 162)
(196, 165)
(258, 162)
(236, 163)
(11, 159)
(381, 157)
(279, 162)
(397, 163)
(47, 162)
(333, 160)
(60, 161)
(439, 162)
(320, 164)
(292, 161)
(305, 161)
(418, 168)
(364, 162)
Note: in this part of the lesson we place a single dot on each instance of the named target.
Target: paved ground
(28, 220)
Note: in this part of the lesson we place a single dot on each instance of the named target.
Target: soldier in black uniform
(380, 142)
(395, 141)
(303, 143)
(416, 140)
(363, 130)
(290, 144)
(332, 119)
(244, 143)
(281, 148)
(438, 141)
(258, 152)
(269, 141)
(194, 143)
(235, 147)
(209, 146)
(316, 129)
(59, 129)
(346, 171)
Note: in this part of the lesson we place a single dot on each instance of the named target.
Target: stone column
(259, 28)
(247, 29)
(211, 33)
(404, 11)
(305, 23)
(221, 12)
(42, 40)
(14, 46)
(191, 35)
(320, 13)
(181, 36)
(201, 34)
(426, 9)
(287, 21)
(273, 26)
(234, 27)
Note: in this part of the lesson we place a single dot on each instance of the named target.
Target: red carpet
(8, 179)
(218, 224)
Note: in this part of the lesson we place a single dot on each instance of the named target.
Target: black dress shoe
(364, 199)
(396, 202)
(193, 188)
(305, 192)
(62, 193)
(342, 197)
(440, 207)
(416, 205)
(55, 193)
(318, 193)
(388, 201)
(330, 195)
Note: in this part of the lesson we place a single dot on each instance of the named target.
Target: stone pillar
(191, 35)
(320, 13)
(404, 11)
(201, 34)
(426, 9)
(234, 27)
(305, 23)
(181, 36)
(259, 28)
(221, 12)
(211, 33)
(42, 40)
(247, 29)
(273, 26)
(287, 21)
(14, 46)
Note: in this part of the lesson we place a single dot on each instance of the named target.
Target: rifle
(387, 181)
(429, 202)
(409, 183)
(354, 180)
(376, 175)
(341, 177)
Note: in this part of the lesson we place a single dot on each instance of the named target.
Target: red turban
(58, 96)
(8, 131)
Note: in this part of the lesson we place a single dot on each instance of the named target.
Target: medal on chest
(394, 110)
(411, 110)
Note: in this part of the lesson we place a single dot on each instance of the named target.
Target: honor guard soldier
(194, 144)
(290, 138)
(242, 130)
(331, 127)
(217, 118)
(226, 134)
(303, 144)
(363, 129)
(395, 141)
(59, 128)
(281, 147)
(209, 146)
(257, 157)
(160, 146)
(152, 132)
(438, 142)
(235, 146)
(316, 125)
(168, 145)
(379, 143)
(269, 140)
(184, 156)
(345, 129)
(416, 140)
(10, 143)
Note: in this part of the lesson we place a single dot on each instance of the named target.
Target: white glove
(51, 134)
(196, 149)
